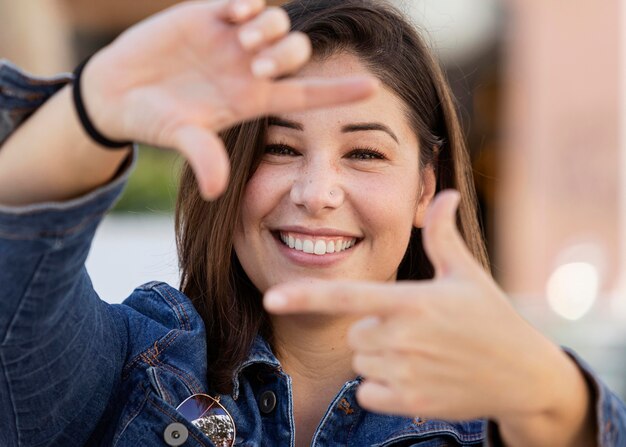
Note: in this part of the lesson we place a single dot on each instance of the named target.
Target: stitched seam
(131, 365)
(176, 307)
(170, 337)
(464, 436)
(350, 430)
(187, 379)
(430, 434)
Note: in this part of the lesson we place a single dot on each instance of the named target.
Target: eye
(367, 153)
(280, 150)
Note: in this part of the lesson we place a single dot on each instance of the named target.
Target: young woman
(324, 211)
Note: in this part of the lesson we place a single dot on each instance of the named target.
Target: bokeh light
(572, 289)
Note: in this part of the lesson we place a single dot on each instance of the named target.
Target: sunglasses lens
(211, 418)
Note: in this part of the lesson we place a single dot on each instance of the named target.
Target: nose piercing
(332, 192)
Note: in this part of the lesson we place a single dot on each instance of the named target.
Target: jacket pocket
(438, 434)
(151, 420)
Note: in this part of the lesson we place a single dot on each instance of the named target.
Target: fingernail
(275, 300)
(367, 323)
(250, 38)
(241, 10)
(263, 67)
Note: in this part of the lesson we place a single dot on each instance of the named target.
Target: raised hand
(449, 348)
(178, 78)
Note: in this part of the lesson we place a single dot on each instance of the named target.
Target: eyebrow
(356, 127)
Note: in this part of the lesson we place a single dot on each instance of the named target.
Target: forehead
(385, 106)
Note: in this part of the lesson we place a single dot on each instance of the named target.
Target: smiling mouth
(316, 245)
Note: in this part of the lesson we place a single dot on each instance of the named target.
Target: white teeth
(319, 246)
(330, 247)
(307, 246)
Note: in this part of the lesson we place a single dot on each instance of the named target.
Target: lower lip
(311, 259)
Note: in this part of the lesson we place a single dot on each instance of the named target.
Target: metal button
(175, 434)
(267, 402)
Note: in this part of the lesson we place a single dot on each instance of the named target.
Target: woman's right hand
(179, 77)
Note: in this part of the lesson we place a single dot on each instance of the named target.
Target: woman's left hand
(448, 348)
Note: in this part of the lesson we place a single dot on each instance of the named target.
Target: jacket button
(267, 402)
(175, 434)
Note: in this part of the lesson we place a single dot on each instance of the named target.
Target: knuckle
(278, 19)
(399, 335)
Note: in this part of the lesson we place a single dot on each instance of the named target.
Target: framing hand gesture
(448, 348)
(181, 76)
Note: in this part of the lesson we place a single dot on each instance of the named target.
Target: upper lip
(320, 232)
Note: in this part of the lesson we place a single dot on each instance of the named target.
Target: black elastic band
(84, 118)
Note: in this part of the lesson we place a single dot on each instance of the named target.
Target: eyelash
(364, 153)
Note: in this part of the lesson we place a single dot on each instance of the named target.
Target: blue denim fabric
(76, 371)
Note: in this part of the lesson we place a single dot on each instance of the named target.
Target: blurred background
(540, 89)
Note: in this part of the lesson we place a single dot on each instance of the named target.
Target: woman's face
(337, 192)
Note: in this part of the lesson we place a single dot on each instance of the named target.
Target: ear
(429, 186)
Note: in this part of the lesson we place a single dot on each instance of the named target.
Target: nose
(318, 188)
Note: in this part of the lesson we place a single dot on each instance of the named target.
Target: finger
(345, 297)
(401, 332)
(379, 397)
(293, 95)
(238, 11)
(269, 26)
(371, 366)
(284, 57)
(365, 335)
(442, 241)
(207, 156)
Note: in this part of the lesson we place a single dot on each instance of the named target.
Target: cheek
(262, 195)
(387, 208)
(389, 201)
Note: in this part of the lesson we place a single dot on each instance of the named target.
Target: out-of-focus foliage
(153, 184)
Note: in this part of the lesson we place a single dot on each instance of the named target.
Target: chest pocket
(150, 417)
(437, 441)
(435, 433)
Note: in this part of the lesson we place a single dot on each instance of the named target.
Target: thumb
(206, 154)
(443, 243)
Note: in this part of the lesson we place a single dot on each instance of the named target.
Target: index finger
(296, 94)
(343, 297)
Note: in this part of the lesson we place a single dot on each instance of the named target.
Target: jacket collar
(260, 353)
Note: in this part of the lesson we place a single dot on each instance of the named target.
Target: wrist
(559, 410)
(95, 99)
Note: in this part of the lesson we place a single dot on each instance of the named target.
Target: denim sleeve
(610, 411)
(22, 94)
(61, 348)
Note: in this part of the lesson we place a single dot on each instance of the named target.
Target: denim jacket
(76, 371)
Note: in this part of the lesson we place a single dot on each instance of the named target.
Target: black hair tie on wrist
(84, 118)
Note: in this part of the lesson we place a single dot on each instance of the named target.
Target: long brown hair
(391, 48)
